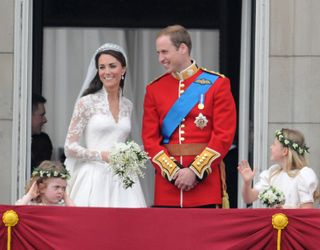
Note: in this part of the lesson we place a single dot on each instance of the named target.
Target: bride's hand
(105, 156)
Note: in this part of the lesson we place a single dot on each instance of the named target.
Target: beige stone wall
(6, 93)
(294, 90)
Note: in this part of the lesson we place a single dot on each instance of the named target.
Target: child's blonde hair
(296, 160)
(45, 171)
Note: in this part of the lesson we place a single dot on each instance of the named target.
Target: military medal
(201, 121)
(201, 102)
(200, 106)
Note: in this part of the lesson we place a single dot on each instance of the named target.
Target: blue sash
(185, 103)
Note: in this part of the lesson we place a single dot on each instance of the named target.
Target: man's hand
(185, 179)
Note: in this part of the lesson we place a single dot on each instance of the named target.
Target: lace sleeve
(79, 121)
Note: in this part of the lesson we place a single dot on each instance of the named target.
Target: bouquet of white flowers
(127, 161)
(272, 197)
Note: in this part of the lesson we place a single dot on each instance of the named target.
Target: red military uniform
(214, 139)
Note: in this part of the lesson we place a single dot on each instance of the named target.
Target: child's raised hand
(67, 200)
(33, 191)
(32, 194)
(246, 172)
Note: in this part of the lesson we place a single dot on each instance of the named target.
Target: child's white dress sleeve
(18, 202)
(307, 185)
(33, 203)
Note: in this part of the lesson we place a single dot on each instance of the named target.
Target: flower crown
(300, 149)
(63, 174)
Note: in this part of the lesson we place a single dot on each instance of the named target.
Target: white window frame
(261, 89)
(22, 87)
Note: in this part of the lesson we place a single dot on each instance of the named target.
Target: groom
(189, 123)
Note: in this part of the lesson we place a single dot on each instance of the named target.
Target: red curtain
(42, 227)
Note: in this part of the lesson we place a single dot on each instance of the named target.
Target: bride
(101, 118)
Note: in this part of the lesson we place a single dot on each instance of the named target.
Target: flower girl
(47, 186)
(289, 176)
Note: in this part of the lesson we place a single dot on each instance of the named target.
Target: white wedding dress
(93, 129)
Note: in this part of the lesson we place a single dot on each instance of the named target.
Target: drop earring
(122, 77)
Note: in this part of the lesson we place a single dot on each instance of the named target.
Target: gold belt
(185, 149)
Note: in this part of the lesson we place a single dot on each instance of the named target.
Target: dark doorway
(224, 15)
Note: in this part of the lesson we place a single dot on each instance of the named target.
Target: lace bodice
(93, 129)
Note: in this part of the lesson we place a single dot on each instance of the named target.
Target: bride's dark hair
(96, 84)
